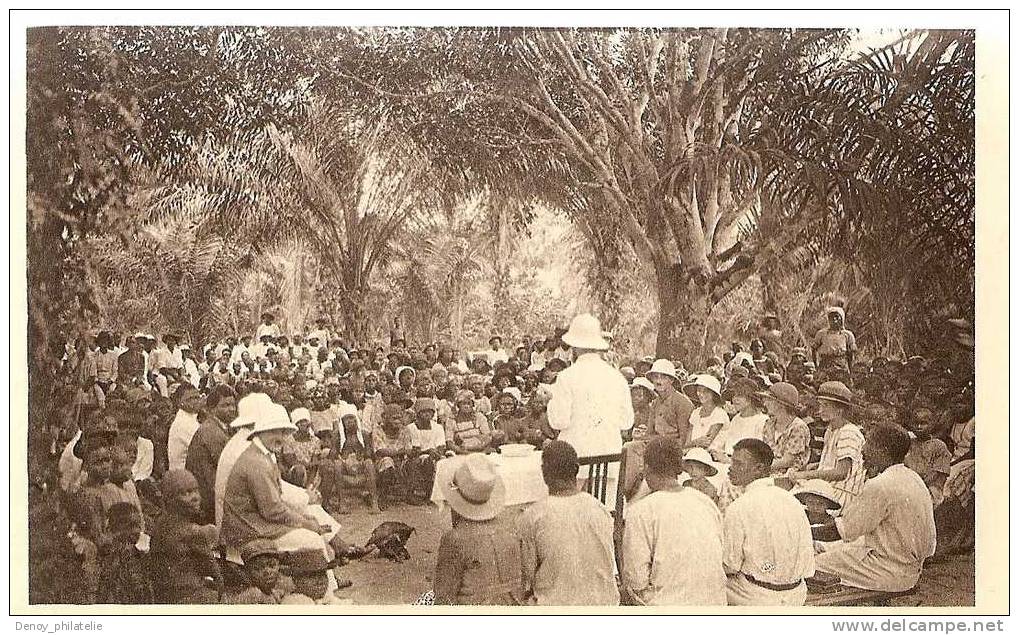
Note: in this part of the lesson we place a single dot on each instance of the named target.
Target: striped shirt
(845, 443)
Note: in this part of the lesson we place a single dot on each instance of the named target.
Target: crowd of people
(213, 472)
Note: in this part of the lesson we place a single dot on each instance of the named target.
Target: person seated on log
(476, 384)
(642, 393)
(351, 461)
(889, 528)
(709, 417)
(303, 448)
(929, 457)
(469, 430)
(184, 565)
(428, 441)
(669, 417)
(841, 460)
(392, 445)
(123, 569)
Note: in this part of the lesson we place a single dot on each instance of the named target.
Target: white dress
(699, 426)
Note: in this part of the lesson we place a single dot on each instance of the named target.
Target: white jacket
(590, 406)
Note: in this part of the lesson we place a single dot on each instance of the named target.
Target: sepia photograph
(680, 316)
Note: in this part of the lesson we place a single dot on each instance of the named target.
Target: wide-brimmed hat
(248, 407)
(476, 491)
(702, 456)
(585, 332)
(271, 417)
(643, 382)
(663, 367)
(822, 489)
(705, 381)
(835, 391)
(784, 393)
(741, 386)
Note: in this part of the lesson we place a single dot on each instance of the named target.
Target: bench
(851, 596)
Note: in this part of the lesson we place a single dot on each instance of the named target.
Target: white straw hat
(272, 417)
(248, 407)
(663, 367)
(702, 456)
(585, 332)
(706, 381)
(300, 414)
(643, 382)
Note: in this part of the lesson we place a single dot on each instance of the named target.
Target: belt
(772, 587)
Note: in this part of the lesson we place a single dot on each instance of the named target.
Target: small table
(521, 476)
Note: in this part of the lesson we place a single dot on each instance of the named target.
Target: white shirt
(235, 354)
(192, 372)
(672, 550)
(164, 358)
(142, 468)
(69, 466)
(432, 437)
(590, 406)
(767, 535)
(321, 334)
(739, 428)
(700, 426)
(267, 329)
(183, 428)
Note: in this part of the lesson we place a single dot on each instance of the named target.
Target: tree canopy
(406, 165)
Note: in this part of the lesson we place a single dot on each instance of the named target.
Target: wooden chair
(597, 485)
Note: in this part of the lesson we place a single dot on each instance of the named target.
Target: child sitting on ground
(309, 572)
(185, 570)
(123, 569)
(263, 582)
(352, 460)
(120, 487)
(392, 446)
(302, 450)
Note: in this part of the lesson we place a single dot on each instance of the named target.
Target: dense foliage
(187, 178)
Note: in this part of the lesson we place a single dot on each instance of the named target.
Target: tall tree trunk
(684, 307)
(769, 289)
(355, 316)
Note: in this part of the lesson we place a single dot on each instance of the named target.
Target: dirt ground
(950, 582)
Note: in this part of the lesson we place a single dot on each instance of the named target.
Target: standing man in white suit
(590, 403)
